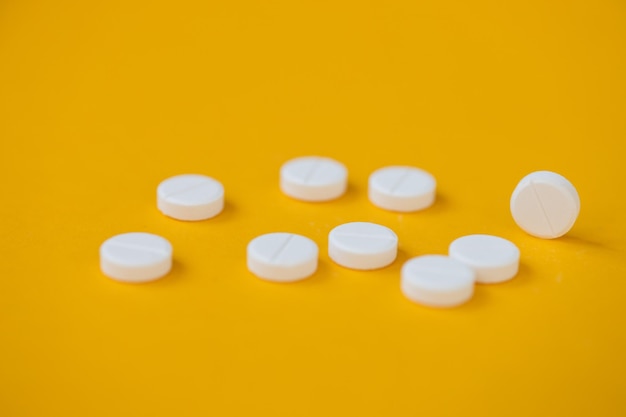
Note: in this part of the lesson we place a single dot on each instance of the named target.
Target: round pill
(136, 257)
(437, 281)
(493, 258)
(313, 178)
(362, 245)
(545, 204)
(401, 188)
(282, 257)
(190, 197)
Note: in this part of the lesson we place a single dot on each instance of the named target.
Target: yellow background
(100, 101)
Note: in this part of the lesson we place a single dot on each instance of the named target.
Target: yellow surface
(100, 101)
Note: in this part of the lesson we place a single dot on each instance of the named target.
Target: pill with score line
(362, 245)
(545, 204)
(282, 257)
(313, 178)
(136, 257)
(190, 197)
(401, 188)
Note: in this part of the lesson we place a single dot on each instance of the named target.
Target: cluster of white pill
(447, 281)
(544, 204)
(144, 257)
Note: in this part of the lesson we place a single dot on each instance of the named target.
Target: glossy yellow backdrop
(100, 101)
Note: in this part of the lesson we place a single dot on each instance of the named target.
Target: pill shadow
(349, 196)
(177, 272)
(441, 205)
(479, 300)
(573, 239)
(524, 277)
(401, 257)
(482, 291)
(325, 268)
(228, 213)
(353, 193)
(173, 277)
(321, 276)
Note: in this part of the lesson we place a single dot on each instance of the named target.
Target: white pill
(545, 204)
(190, 197)
(493, 258)
(313, 178)
(282, 257)
(401, 188)
(362, 245)
(437, 281)
(136, 257)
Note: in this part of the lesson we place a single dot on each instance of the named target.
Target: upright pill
(362, 245)
(282, 257)
(313, 178)
(545, 204)
(493, 258)
(401, 188)
(437, 281)
(136, 257)
(190, 197)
